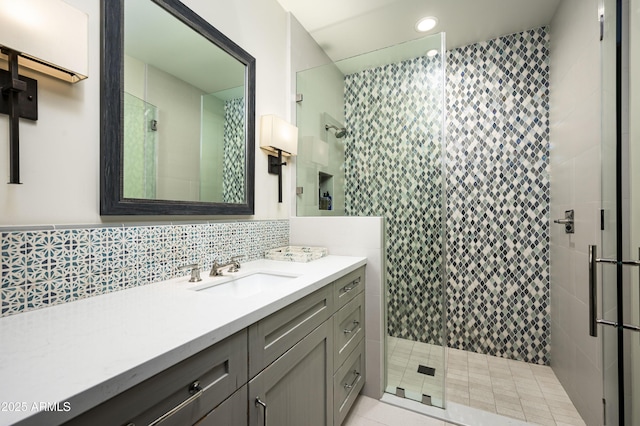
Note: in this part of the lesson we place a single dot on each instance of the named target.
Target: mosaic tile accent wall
(233, 155)
(394, 169)
(497, 167)
(49, 267)
(497, 192)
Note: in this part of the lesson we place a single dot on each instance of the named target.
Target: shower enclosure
(468, 237)
(465, 202)
(371, 144)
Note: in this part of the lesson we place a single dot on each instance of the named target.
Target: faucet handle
(236, 263)
(195, 271)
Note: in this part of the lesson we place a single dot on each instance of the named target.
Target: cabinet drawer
(274, 335)
(345, 288)
(347, 383)
(233, 411)
(348, 328)
(219, 370)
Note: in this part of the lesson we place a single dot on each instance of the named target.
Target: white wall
(60, 152)
(575, 126)
(179, 119)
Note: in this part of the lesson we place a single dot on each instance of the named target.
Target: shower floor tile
(510, 388)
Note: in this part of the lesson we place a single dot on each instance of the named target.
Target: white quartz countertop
(82, 353)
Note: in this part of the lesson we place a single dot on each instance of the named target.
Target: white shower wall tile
(49, 267)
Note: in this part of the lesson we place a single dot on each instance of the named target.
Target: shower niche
(325, 191)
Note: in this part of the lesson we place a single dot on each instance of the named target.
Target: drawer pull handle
(195, 390)
(264, 406)
(355, 380)
(354, 328)
(353, 284)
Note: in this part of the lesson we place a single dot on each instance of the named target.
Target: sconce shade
(276, 134)
(50, 36)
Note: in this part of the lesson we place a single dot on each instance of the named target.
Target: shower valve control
(567, 222)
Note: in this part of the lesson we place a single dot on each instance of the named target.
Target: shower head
(340, 131)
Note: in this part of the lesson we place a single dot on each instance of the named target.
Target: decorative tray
(296, 253)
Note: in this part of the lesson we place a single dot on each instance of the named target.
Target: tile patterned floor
(403, 359)
(510, 388)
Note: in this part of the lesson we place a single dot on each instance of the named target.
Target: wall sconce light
(48, 36)
(281, 138)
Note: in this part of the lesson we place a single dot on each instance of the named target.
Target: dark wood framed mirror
(177, 113)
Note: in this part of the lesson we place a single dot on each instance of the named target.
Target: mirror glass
(185, 124)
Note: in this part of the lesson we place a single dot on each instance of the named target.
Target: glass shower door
(631, 345)
(412, 181)
(619, 320)
(371, 131)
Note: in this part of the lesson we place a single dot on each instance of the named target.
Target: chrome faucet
(233, 265)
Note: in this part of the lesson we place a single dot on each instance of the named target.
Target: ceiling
(155, 37)
(346, 28)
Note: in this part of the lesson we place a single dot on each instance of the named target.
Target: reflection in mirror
(178, 113)
(222, 147)
(183, 112)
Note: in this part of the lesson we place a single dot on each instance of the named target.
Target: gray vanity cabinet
(303, 365)
(296, 389)
(306, 361)
(180, 395)
(348, 334)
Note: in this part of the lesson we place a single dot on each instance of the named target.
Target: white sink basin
(246, 285)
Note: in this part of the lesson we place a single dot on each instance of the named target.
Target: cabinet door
(297, 388)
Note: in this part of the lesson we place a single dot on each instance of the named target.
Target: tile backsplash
(47, 267)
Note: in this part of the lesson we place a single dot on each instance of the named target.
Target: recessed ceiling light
(426, 24)
(431, 53)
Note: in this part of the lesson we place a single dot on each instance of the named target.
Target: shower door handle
(593, 292)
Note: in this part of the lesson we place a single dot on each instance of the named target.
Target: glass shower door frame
(433, 390)
(619, 323)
